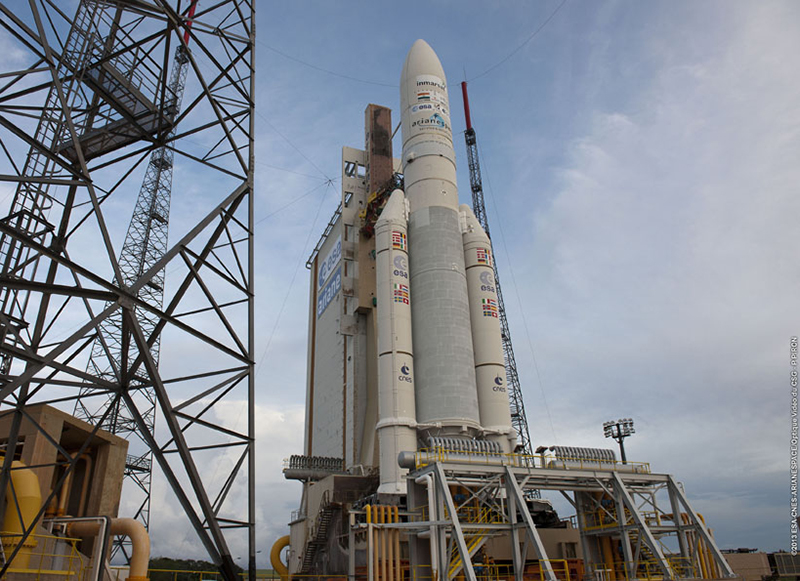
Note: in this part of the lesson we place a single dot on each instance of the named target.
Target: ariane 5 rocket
(441, 366)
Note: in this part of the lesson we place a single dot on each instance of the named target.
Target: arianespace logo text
(434, 120)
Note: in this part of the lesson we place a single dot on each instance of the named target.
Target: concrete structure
(343, 329)
(101, 476)
(80, 471)
(750, 566)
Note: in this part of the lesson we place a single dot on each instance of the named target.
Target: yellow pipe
(85, 486)
(397, 556)
(52, 508)
(131, 528)
(606, 550)
(384, 572)
(608, 557)
(63, 496)
(713, 568)
(705, 566)
(684, 519)
(25, 486)
(390, 547)
(66, 488)
(375, 549)
(275, 557)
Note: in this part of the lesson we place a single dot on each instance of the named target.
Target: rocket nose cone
(419, 47)
(421, 59)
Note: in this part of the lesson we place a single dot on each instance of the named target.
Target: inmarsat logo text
(431, 83)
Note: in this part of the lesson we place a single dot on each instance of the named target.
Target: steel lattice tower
(94, 107)
(145, 244)
(518, 418)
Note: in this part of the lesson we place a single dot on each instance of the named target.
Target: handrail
(48, 559)
(426, 456)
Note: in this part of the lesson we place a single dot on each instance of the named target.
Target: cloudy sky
(641, 176)
(640, 163)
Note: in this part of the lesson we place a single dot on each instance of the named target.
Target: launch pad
(473, 515)
(411, 467)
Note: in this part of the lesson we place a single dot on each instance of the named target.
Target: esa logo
(323, 271)
(423, 107)
(400, 266)
(405, 374)
(488, 282)
(498, 384)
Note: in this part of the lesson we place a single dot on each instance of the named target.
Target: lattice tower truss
(145, 244)
(89, 107)
(518, 418)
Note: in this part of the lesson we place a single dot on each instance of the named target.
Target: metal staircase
(319, 534)
(475, 538)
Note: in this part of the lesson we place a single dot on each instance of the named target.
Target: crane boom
(518, 418)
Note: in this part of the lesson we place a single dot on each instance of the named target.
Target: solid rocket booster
(446, 395)
(396, 414)
(487, 341)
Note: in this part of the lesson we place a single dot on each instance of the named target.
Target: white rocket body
(396, 409)
(487, 341)
(446, 396)
(432, 345)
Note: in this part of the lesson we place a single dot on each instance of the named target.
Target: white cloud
(663, 284)
(278, 435)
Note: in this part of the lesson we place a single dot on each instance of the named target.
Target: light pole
(619, 430)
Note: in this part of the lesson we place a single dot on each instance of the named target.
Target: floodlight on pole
(619, 430)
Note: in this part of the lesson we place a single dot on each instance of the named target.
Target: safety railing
(646, 569)
(501, 572)
(426, 456)
(561, 462)
(466, 515)
(51, 557)
(560, 568)
(601, 519)
(479, 515)
(121, 574)
(683, 567)
(483, 572)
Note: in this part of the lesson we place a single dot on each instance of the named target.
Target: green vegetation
(166, 569)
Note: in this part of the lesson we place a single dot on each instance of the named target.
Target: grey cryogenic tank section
(446, 394)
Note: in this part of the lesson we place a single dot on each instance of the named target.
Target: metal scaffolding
(145, 244)
(661, 535)
(92, 110)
